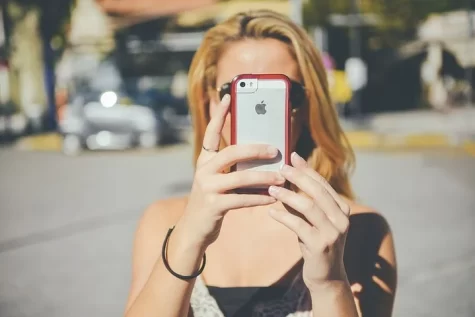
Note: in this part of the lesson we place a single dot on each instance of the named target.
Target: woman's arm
(334, 299)
(154, 291)
(374, 282)
(321, 219)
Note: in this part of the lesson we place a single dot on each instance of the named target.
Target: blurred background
(94, 126)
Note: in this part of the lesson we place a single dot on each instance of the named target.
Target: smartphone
(260, 114)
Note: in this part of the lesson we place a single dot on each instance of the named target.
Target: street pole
(355, 50)
(355, 40)
(296, 11)
(471, 34)
(46, 34)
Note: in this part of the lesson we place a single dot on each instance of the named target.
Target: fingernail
(273, 190)
(272, 150)
(299, 158)
(285, 168)
(226, 98)
(272, 199)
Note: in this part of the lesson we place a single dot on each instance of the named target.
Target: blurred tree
(54, 17)
(407, 14)
(55, 14)
(317, 12)
(394, 15)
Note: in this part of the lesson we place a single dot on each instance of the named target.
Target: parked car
(100, 120)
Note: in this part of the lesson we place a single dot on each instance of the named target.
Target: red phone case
(287, 153)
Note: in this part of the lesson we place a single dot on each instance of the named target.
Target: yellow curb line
(52, 142)
(365, 139)
(43, 142)
(469, 147)
(428, 140)
(357, 139)
(372, 140)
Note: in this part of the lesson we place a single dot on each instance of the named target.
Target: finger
(304, 231)
(224, 182)
(237, 153)
(303, 205)
(237, 201)
(212, 135)
(299, 163)
(319, 194)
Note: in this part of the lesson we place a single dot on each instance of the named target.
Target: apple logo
(261, 108)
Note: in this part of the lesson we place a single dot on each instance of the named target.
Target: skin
(349, 263)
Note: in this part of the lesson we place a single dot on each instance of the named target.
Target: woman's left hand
(320, 219)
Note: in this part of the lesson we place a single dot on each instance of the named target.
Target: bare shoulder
(370, 240)
(153, 224)
(370, 261)
(163, 213)
(368, 219)
(359, 208)
(149, 236)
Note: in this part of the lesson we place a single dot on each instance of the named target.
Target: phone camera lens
(242, 84)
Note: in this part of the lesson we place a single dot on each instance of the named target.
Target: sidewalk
(414, 129)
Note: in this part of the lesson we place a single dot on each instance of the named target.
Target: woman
(262, 260)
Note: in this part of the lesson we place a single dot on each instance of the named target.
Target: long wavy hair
(333, 158)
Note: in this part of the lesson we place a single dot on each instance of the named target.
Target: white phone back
(253, 126)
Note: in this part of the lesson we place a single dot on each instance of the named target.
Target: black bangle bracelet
(165, 261)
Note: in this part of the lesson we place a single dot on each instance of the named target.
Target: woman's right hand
(212, 194)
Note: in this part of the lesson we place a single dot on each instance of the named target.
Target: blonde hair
(333, 158)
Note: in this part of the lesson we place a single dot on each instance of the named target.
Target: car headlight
(109, 99)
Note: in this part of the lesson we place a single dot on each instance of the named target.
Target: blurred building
(90, 36)
(222, 10)
(129, 12)
(163, 47)
(455, 31)
(445, 77)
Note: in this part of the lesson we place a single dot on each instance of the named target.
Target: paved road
(66, 227)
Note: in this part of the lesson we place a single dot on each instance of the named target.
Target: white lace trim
(295, 302)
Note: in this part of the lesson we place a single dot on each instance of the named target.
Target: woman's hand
(319, 217)
(211, 195)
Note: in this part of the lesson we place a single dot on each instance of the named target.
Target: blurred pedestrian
(309, 252)
(328, 61)
(357, 75)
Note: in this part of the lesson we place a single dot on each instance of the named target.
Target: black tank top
(239, 301)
